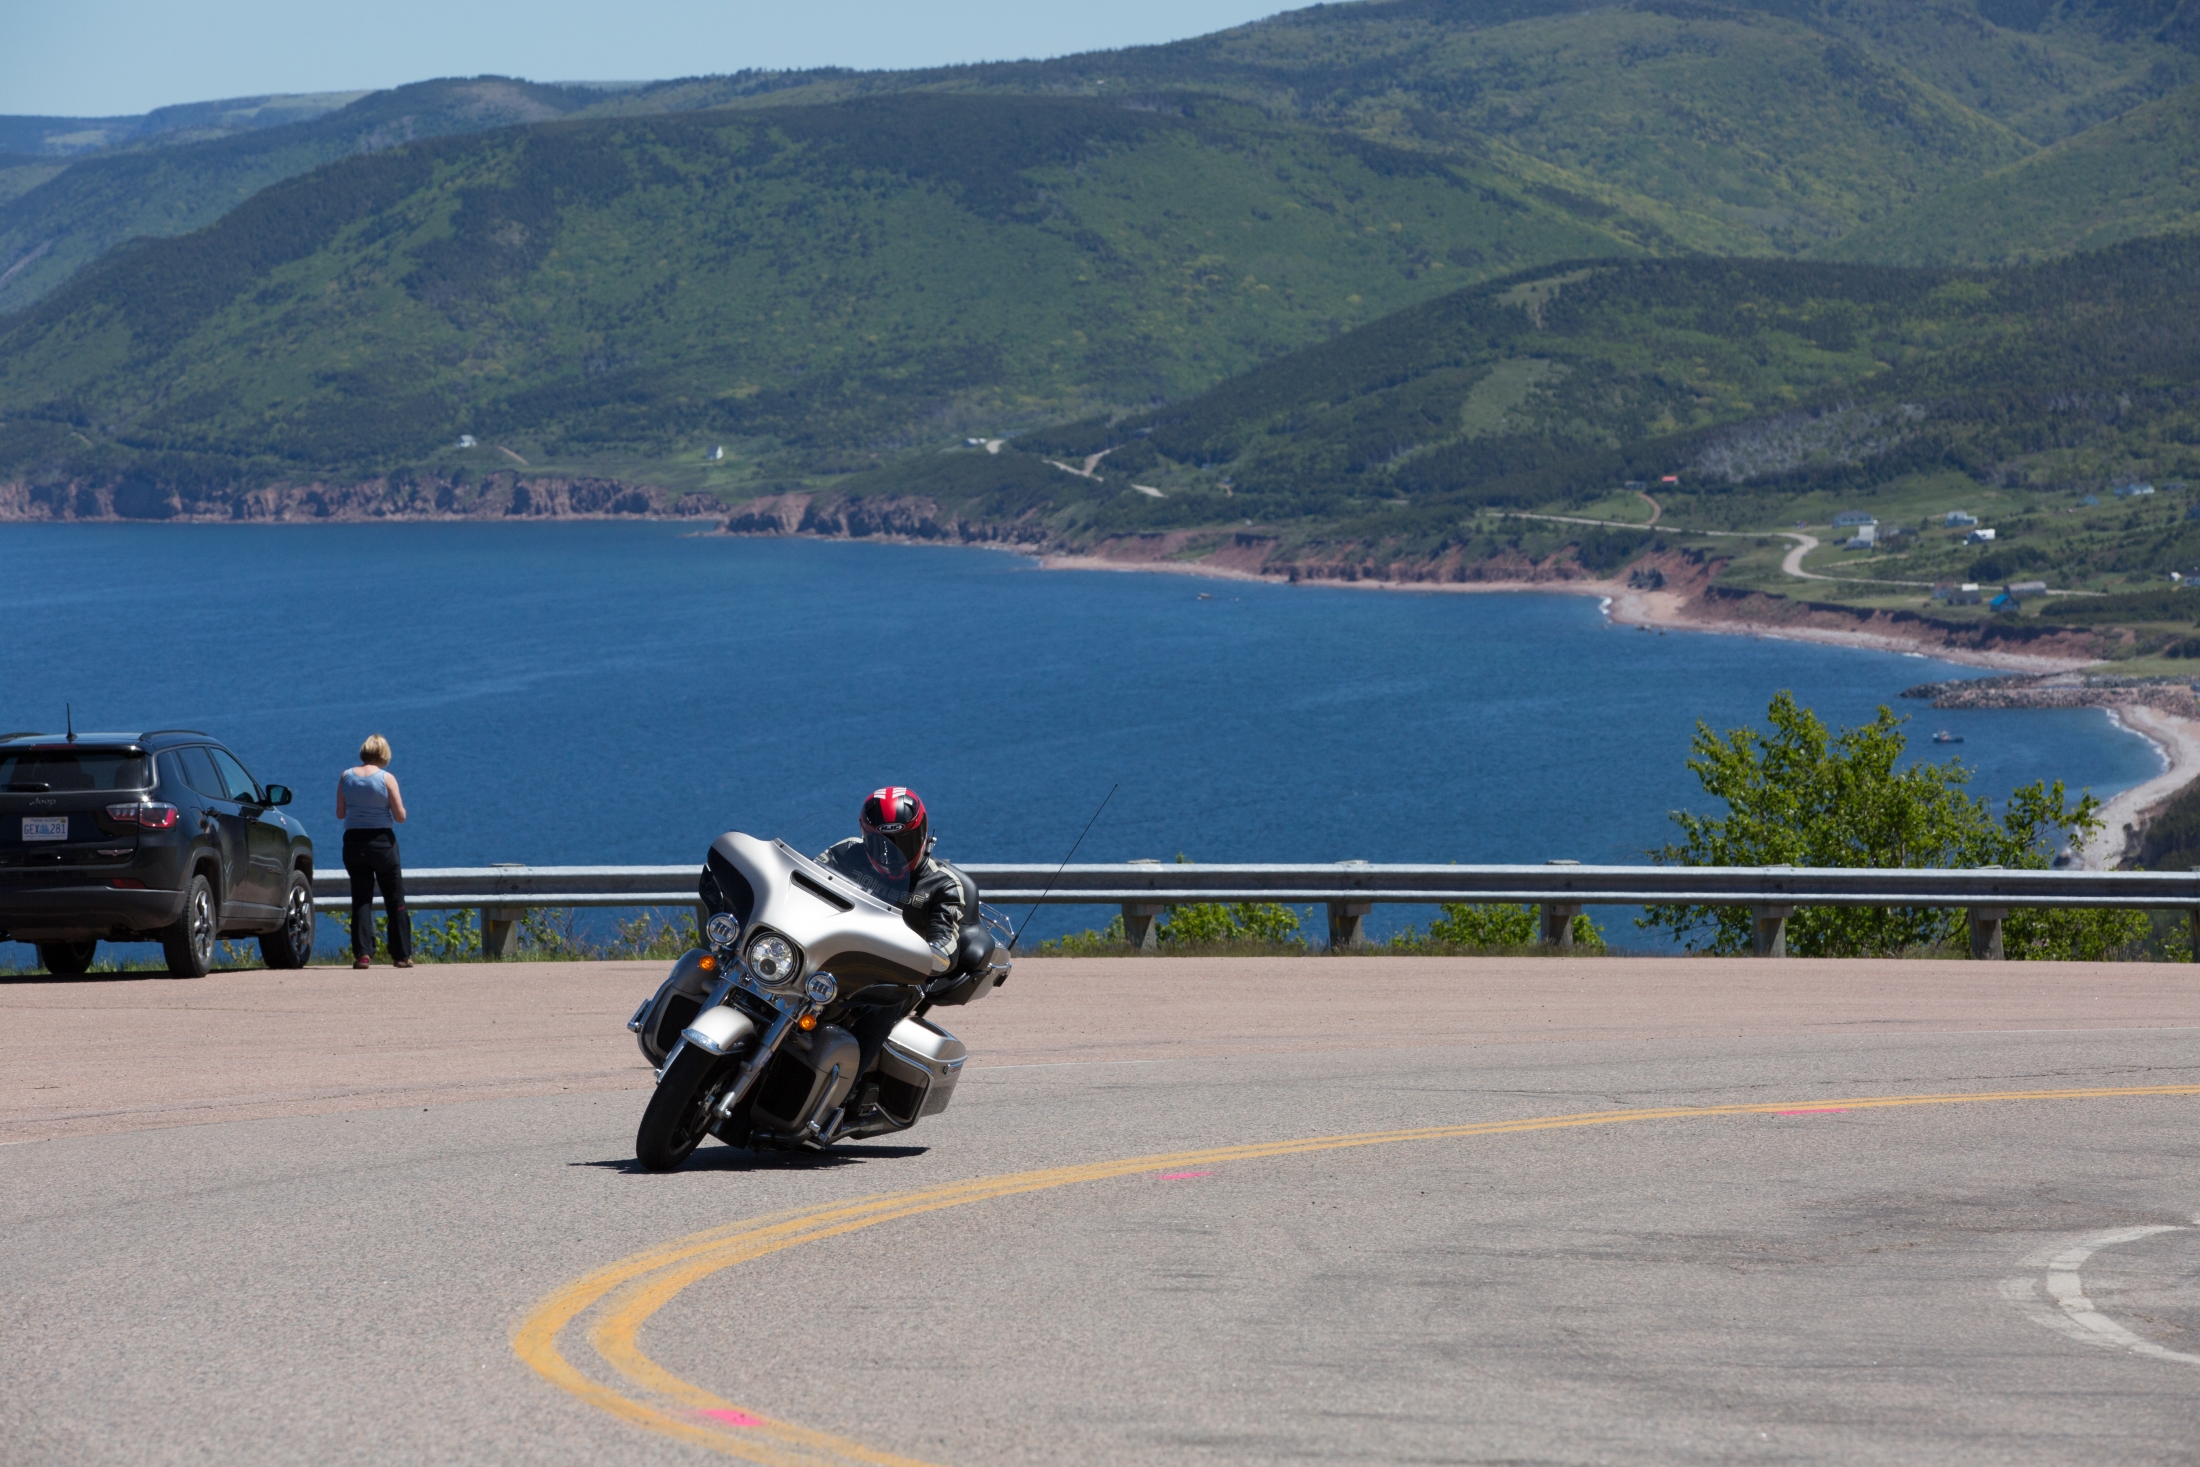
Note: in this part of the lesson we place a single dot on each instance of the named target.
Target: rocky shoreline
(502, 495)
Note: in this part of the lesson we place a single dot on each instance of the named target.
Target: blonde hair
(376, 750)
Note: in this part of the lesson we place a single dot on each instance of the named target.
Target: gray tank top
(366, 801)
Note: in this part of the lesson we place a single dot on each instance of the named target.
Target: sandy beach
(1629, 606)
(2177, 740)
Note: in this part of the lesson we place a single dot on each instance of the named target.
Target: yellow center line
(638, 1286)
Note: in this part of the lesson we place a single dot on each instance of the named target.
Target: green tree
(1204, 923)
(1801, 796)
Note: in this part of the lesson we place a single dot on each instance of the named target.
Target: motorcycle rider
(892, 859)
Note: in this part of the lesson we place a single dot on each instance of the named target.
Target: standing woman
(371, 807)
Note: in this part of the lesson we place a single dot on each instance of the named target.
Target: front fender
(721, 1030)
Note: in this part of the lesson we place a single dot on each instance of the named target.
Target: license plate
(45, 827)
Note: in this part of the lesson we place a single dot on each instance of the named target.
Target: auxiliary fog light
(723, 929)
(771, 958)
(822, 988)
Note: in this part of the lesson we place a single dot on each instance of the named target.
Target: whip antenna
(1057, 876)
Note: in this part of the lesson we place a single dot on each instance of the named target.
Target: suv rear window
(37, 771)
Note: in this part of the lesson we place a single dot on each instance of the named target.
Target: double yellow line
(621, 1298)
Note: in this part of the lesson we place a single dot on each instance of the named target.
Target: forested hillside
(2136, 175)
(70, 216)
(832, 281)
(1766, 390)
(1745, 127)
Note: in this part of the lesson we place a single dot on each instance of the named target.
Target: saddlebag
(917, 1070)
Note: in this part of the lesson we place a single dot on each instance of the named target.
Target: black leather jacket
(931, 900)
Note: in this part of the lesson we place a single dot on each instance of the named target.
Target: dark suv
(155, 837)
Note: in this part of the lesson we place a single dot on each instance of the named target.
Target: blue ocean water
(602, 692)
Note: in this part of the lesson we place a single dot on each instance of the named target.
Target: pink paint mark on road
(1181, 1176)
(735, 1418)
(1816, 1110)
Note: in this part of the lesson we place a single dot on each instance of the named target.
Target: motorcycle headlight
(772, 958)
(723, 929)
(822, 988)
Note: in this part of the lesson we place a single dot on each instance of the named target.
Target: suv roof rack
(157, 732)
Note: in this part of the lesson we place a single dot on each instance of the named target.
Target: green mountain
(53, 229)
(830, 280)
(2136, 175)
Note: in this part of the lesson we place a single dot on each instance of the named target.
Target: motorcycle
(751, 1035)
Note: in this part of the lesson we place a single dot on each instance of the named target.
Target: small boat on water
(1945, 737)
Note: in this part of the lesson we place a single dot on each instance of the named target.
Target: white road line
(2074, 1315)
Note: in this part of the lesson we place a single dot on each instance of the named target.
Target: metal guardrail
(1145, 890)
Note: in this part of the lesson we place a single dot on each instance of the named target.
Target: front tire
(679, 1112)
(68, 959)
(291, 945)
(189, 943)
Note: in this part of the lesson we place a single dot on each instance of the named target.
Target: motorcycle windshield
(886, 858)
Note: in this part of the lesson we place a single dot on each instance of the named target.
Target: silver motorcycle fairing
(653, 1023)
(834, 923)
(802, 1094)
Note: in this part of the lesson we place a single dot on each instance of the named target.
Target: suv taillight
(153, 815)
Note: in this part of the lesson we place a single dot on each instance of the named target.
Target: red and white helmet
(895, 832)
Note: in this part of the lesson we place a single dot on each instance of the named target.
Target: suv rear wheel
(189, 943)
(291, 945)
(68, 959)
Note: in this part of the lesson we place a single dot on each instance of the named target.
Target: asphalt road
(2006, 1281)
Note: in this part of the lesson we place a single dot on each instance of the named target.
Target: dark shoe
(402, 963)
(362, 961)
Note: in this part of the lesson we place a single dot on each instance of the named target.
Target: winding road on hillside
(1181, 1210)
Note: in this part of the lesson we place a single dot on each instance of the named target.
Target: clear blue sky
(99, 58)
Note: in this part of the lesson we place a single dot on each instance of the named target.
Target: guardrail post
(1772, 931)
(1558, 923)
(500, 925)
(1986, 931)
(500, 932)
(2194, 914)
(1138, 924)
(1348, 925)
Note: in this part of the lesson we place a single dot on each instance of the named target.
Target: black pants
(371, 856)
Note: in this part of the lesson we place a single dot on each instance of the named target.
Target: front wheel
(291, 945)
(68, 959)
(679, 1112)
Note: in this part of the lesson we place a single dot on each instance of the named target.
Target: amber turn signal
(708, 963)
(806, 1023)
